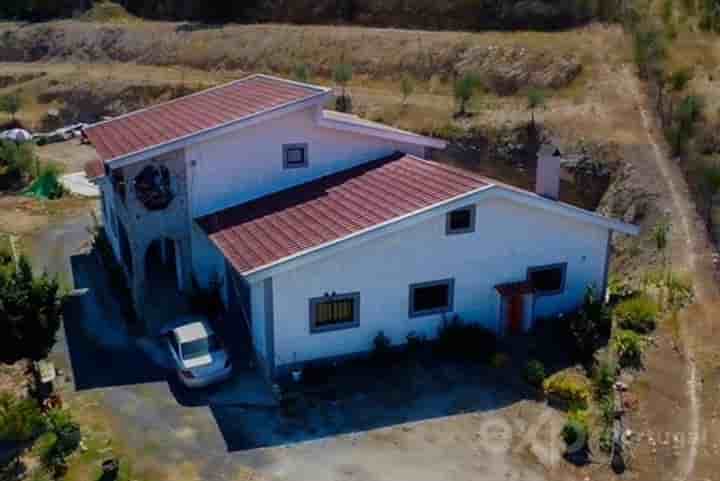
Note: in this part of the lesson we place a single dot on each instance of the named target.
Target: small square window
(295, 156)
(329, 313)
(431, 297)
(461, 221)
(548, 280)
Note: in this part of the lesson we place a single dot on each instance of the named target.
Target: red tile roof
(268, 229)
(194, 113)
(94, 169)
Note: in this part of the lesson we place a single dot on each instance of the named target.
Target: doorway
(515, 316)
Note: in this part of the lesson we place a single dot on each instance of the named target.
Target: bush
(637, 314)
(30, 311)
(571, 389)
(460, 341)
(463, 90)
(16, 160)
(629, 346)
(499, 360)
(679, 290)
(67, 438)
(382, 346)
(604, 376)
(20, 419)
(589, 325)
(576, 431)
(535, 373)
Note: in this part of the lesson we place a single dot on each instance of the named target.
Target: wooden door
(515, 314)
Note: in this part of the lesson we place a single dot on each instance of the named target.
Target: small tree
(535, 100)
(302, 73)
(30, 310)
(11, 104)
(464, 90)
(407, 87)
(342, 74)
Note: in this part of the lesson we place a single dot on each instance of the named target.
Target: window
(295, 156)
(461, 221)
(548, 280)
(334, 312)
(431, 297)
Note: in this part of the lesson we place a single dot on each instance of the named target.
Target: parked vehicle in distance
(200, 358)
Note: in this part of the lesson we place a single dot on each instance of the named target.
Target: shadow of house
(101, 352)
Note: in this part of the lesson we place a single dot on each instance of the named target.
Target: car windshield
(200, 347)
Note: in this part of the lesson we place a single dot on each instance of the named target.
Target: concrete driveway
(441, 423)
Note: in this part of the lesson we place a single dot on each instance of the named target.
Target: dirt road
(680, 438)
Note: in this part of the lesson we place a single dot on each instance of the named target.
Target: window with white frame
(295, 156)
(331, 312)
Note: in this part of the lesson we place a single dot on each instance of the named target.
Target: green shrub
(571, 389)
(637, 314)
(16, 160)
(499, 360)
(535, 373)
(629, 347)
(20, 419)
(460, 341)
(67, 438)
(576, 431)
(604, 377)
(680, 290)
(382, 346)
(589, 325)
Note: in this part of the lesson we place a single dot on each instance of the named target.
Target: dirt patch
(16, 379)
(89, 102)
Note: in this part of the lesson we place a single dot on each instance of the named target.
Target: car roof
(192, 331)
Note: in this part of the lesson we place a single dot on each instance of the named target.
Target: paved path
(78, 184)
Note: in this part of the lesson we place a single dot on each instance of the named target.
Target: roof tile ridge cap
(171, 101)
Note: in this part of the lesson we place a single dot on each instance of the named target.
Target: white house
(322, 229)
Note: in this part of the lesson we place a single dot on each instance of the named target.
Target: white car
(199, 355)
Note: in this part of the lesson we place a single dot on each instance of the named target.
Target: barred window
(334, 312)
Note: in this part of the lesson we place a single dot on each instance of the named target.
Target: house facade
(322, 229)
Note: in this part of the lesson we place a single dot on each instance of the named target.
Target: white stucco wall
(249, 163)
(257, 329)
(508, 239)
(207, 260)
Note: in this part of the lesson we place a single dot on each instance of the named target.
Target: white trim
(351, 123)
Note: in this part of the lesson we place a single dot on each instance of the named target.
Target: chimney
(548, 172)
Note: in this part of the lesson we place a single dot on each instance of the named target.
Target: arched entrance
(163, 283)
(161, 266)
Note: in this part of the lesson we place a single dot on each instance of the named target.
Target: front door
(515, 314)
